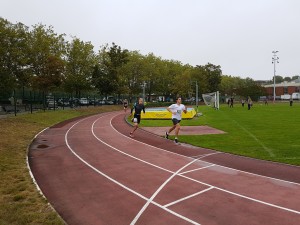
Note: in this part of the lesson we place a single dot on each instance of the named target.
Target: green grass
(264, 132)
(20, 202)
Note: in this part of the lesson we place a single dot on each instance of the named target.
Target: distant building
(283, 88)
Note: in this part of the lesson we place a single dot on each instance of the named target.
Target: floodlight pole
(274, 61)
(197, 96)
(144, 85)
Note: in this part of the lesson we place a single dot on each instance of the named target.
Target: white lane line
(254, 174)
(233, 193)
(157, 191)
(118, 150)
(120, 184)
(187, 197)
(164, 150)
(205, 167)
(95, 169)
(205, 155)
(242, 196)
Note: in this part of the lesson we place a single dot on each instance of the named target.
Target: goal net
(212, 99)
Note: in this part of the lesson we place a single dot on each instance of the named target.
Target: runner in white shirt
(176, 110)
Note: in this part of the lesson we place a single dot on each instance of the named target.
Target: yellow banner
(166, 114)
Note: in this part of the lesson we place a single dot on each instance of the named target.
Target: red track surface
(93, 173)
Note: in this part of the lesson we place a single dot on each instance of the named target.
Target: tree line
(39, 59)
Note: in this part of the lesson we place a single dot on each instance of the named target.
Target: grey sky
(238, 35)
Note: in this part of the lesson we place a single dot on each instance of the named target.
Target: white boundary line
(187, 197)
(271, 178)
(157, 191)
(27, 163)
(145, 198)
(205, 155)
(33, 178)
(205, 167)
(243, 196)
(120, 184)
(233, 193)
(149, 200)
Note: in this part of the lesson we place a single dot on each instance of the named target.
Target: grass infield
(269, 132)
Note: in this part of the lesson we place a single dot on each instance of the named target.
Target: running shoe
(131, 134)
(167, 135)
(176, 140)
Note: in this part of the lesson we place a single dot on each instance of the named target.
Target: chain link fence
(26, 101)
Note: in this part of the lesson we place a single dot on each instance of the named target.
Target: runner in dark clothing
(125, 104)
(137, 115)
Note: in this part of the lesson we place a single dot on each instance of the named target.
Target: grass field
(268, 132)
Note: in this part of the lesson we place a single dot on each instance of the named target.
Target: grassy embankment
(20, 202)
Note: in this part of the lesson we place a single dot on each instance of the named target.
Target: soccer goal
(212, 99)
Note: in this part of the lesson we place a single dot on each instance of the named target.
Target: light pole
(196, 95)
(144, 86)
(274, 61)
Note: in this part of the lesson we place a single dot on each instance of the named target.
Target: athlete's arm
(185, 110)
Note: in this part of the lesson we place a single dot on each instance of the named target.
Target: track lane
(110, 161)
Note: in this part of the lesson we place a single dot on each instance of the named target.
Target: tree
(46, 57)
(80, 66)
(231, 86)
(178, 81)
(278, 79)
(110, 62)
(213, 76)
(131, 74)
(13, 55)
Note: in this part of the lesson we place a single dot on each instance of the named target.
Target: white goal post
(212, 99)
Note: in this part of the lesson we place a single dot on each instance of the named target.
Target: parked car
(63, 102)
(51, 104)
(83, 101)
(101, 102)
(108, 102)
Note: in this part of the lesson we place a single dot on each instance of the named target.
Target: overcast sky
(238, 35)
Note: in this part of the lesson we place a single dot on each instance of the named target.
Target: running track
(92, 173)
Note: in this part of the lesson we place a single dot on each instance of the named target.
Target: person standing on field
(291, 101)
(249, 103)
(138, 108)
(125, 104)
(176, 110)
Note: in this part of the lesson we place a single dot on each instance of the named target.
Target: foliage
(235, 86)
(107, 75)
(46, 49)
(40, 59)
(80, 61)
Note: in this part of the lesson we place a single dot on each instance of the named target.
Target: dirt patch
(185, 130)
